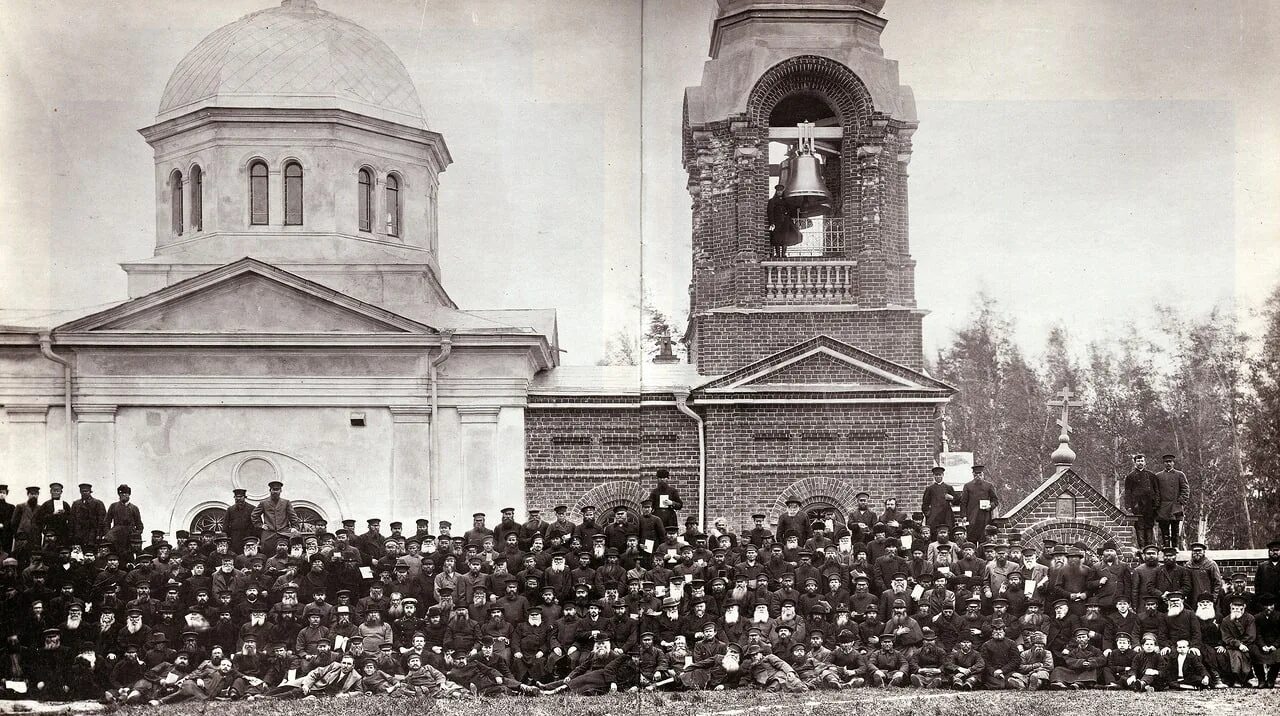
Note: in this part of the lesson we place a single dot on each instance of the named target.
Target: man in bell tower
(799, 94)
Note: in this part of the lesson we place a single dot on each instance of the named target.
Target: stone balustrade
(806, 281)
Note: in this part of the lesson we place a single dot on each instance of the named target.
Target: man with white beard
(257, 625)
(73, 628)
(134, 632)
(715, 673)
(1213, 651)
(731, 626)
(1179, 624)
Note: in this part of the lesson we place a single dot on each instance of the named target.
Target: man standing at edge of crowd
(1173, 492)
(978, 502)
(1140, 489)
(666, 500)
(938, 498)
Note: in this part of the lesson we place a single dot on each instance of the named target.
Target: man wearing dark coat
(666, 500)
(239, 520)
(6, 519)
(1140, 499)
(88, 518)
(124, 521)
(54, 515)
(1173, 491)
(1266, 580)
(978, 502)
(792, 521)
(938, 498)
(782, 228)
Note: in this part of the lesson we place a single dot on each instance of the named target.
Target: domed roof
(293, 56)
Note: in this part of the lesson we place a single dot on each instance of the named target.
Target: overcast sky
(1079, 161)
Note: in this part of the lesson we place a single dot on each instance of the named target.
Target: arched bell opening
(805, 141)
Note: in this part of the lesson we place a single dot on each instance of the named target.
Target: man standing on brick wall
(1266, 580)
(666, 500)
(937, 502)
(978, 501)
(1140, 489)
(1173, 492)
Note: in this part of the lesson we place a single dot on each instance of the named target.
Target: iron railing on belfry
(823, 237)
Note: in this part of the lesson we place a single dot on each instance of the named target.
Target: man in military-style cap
(276, 516)
(238, 522)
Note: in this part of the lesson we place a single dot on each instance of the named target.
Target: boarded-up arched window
(293, 194)
(175, 202)
(259, 214)
(197, 198)
(365, 200)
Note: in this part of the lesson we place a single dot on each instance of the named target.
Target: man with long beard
(999, 659)
(905, 630)
(1240, 637)
(1213, 651)
(715, 673)
(1179, 624)
(731, 626)
(598, 673)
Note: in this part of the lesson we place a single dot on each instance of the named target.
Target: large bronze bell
(805, 191)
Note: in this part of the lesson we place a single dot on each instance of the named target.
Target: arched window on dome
(259, 215)
(293, 194)
(365, 200)
(175, 201)
(393, 205)
(197, 198)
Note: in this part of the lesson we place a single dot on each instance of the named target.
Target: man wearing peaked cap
(478, 530)
(1140, 490)
(88, 518)
(938, 500)
(978, 502)
(276, 515)
(239, 520)
(54, 515)
(1173, 492)
(371, 542)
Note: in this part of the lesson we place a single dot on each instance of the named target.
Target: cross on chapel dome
(294, 56)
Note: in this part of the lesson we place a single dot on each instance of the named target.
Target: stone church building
(293, 322)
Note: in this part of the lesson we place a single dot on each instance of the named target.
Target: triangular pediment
(246, 297)
(1064, 481)
(824, 363)
(822, 367)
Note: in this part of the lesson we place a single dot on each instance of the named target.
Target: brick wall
(755, 453)
(728, 341)
(1095, 518)
(569, 452)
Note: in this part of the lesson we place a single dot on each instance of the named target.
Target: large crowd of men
(619, 601)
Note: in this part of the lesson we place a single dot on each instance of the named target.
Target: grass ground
(859, 702)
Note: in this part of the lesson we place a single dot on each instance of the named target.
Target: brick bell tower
(776, 65)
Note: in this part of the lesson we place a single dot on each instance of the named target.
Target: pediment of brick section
(1067, 482)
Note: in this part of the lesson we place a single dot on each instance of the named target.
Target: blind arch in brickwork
(607, 496)
(1068, 532)
(835, 83)
(818, 492)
